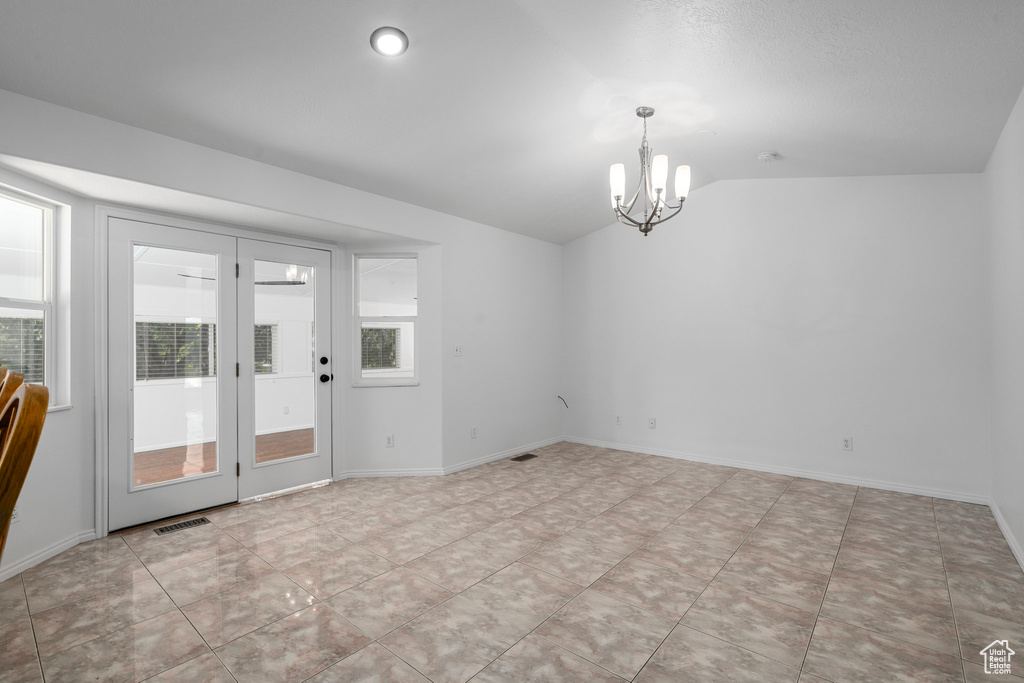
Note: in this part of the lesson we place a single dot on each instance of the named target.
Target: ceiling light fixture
(389, 41)
(653, 176)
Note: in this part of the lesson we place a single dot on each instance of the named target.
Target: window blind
(381, 347)
(23, 347)
(265, 346)
(175, 350)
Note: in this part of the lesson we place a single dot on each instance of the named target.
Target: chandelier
(653, 176)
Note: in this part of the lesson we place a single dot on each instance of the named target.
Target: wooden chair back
(22, 413)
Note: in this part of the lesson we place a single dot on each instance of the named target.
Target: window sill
(386, 383)
(57, 409)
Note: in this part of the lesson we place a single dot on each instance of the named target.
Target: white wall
(503, 306)
(1005, 179)
(56, 505)
(521, 333)
(772, 318)
(411, 413)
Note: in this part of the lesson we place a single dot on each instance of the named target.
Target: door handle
(323, 360)
(325, 378)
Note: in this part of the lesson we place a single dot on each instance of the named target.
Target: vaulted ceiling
(508, 112)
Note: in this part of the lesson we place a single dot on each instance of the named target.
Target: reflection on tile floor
(584, 564)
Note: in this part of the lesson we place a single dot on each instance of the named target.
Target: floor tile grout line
(636, 488)
(800, 668)
(949, 593)
(888, 635)
(515, 560)
(32, 625)
(704, 590)
(824, 594)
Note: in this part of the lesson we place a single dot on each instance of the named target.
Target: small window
(266, 348)
(26, 287)
(386, 309)
(175, 350)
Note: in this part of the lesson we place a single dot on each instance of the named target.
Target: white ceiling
(508, 112)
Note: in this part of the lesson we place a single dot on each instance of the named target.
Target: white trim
(1011, 540)
(339, 350)
(360, 474)
(102, 427)
(103, 213)
(46, 553)
(441, 471)
(791, 471)
(176, 221)
(476, 462)
(285, 492)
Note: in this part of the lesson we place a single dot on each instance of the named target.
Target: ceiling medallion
(653, 176)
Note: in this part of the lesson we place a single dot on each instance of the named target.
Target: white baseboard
(358, 474)
(1011, 540)
(46, 553)
(791, 471)
(500, 456)
(285, 492)
(441, 471)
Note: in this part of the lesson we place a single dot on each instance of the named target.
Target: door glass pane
(286, 372)
(175, 392)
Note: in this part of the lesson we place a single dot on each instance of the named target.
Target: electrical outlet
(458, 349)
(389, 440)
(652, 423)
(847, 443)
(618, 419)
(472, 432)
(14, 515)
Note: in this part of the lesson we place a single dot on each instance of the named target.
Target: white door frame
(339, 337)
(260, 479)
(140, 504)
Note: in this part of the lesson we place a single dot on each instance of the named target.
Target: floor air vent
(181, 525)
(524, 456)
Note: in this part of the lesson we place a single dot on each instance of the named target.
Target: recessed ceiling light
(389, 41)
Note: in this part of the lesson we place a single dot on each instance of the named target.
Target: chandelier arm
(629, 206)
(626, 219)
(662, 220)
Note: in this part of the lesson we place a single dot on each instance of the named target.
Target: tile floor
(584, 564)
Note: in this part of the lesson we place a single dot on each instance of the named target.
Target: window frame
(51, 215)
(358, 379)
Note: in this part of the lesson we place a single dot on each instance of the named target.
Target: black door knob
(325, 378)
(323, 360)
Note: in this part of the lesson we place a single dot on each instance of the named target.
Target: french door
(217, 348)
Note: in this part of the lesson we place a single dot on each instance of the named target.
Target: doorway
(219, 369)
